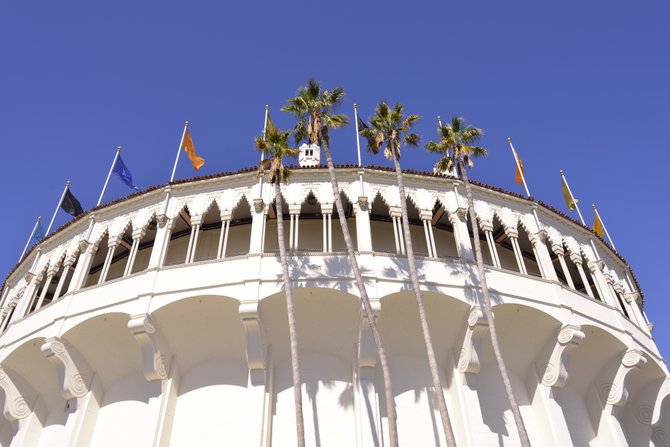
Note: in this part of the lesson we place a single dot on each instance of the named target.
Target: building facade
(159, 320)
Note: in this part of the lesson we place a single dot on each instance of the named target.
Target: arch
(210, 232)
(443, 231)
(381, 226)
(121, 252)
(97, 260)
(338, 236)
(180, 232)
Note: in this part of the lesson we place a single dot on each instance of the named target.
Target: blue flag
(124, 174)
(39, 233)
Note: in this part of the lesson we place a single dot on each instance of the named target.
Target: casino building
(159, 320)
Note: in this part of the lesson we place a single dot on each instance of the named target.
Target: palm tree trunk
(388, 389)
(434, 372)
(297, 390)
(521, 428)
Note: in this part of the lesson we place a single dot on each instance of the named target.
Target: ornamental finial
(267, 106)
(118, 149)
(561, 171)
(509, 139)
(355, 106)
(186, 123)
(67, 183)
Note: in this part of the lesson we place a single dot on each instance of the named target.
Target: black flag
(71, 205)
(361, 124)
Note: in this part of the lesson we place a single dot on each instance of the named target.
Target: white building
(159, 320)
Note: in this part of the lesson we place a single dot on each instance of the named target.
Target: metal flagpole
(30, 238)
(579, 212)
(181, 143)
(604, 227)
(523, 178)
(67, 185)
(265, 126)
(104, 188)
(358, 148)
(518, 166)
(573, 198)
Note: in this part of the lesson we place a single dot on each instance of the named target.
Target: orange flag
(522, 172)
(196, 160)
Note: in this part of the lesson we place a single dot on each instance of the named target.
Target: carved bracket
(161, 219)
(616, 392)
(556, 373)
(461, 212)
(254, 335)
(17, 398)
(477, 328)
(259, 205)
(154, 356)
(663, 393)
(74, 375)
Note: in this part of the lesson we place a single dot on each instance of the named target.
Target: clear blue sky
(581, 86)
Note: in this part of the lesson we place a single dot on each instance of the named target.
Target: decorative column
(576, 258)
(294, 230)
(396, 215)
(50, 275)
(26, 300)
(67, 265)
(223, 236)
(363, 232)
(161, 241)
(111, 245)
(542, 255)
(426, 218)
(258, 216)
(601, 283)
(138, 234)
(327, 215)
(513, 235)
(487, 228)
(560, 254)
(458, 220)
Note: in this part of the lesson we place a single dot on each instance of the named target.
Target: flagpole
(358, 148)
(181, 143)
(604, 227)
(518, 166)
(523, 178)
(265, 126)
(67, 185)
(104, 188)
(573, 198)
(32, 233)
(579, 212)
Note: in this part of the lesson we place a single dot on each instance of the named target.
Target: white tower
(310, 155)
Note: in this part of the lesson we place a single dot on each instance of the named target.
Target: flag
(361, 124)
(70, 204)
(598, 225)
(519, 173)
(124, 174)
(270, 126)
(570, 201)
(196, 160)
(39, 233)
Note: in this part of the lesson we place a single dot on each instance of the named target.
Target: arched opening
(556, 262)
(311, 227)
(180, 236)
(44, 292)
(209, 235)
(98, 260)
(590, 279)
(443, 231)
(416, 230)
(239, 233)
(271, 245)
(145, 247)
(338, 236)
(64, 277)
(120, 259)
(382, 227)
(487, 249)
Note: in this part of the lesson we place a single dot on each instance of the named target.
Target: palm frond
(444, 164)
(412, 139)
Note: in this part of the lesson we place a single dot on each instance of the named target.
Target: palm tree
(314, 107)
(274, 145)
(458, 146)
(389, 129)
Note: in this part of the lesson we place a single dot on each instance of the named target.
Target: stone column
(161, 242)
(560, 253)
(577, 259)
(487, 228)
(67, 264)
(363, 233)
(111, 245)
(50, 275)
(542, 255)
(223, 237)
(258, 216)
(458, 221)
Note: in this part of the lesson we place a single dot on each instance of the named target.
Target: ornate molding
(154, 357)
(258, 205)
(363, 203)
(555, 372)
(74, 375)
(471, 350)
(17, 404)
(254, 335)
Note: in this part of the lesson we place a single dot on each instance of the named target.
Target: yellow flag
(270, 126)
(598, 225)
(522, 172)
(570, 201)
(196, 160)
